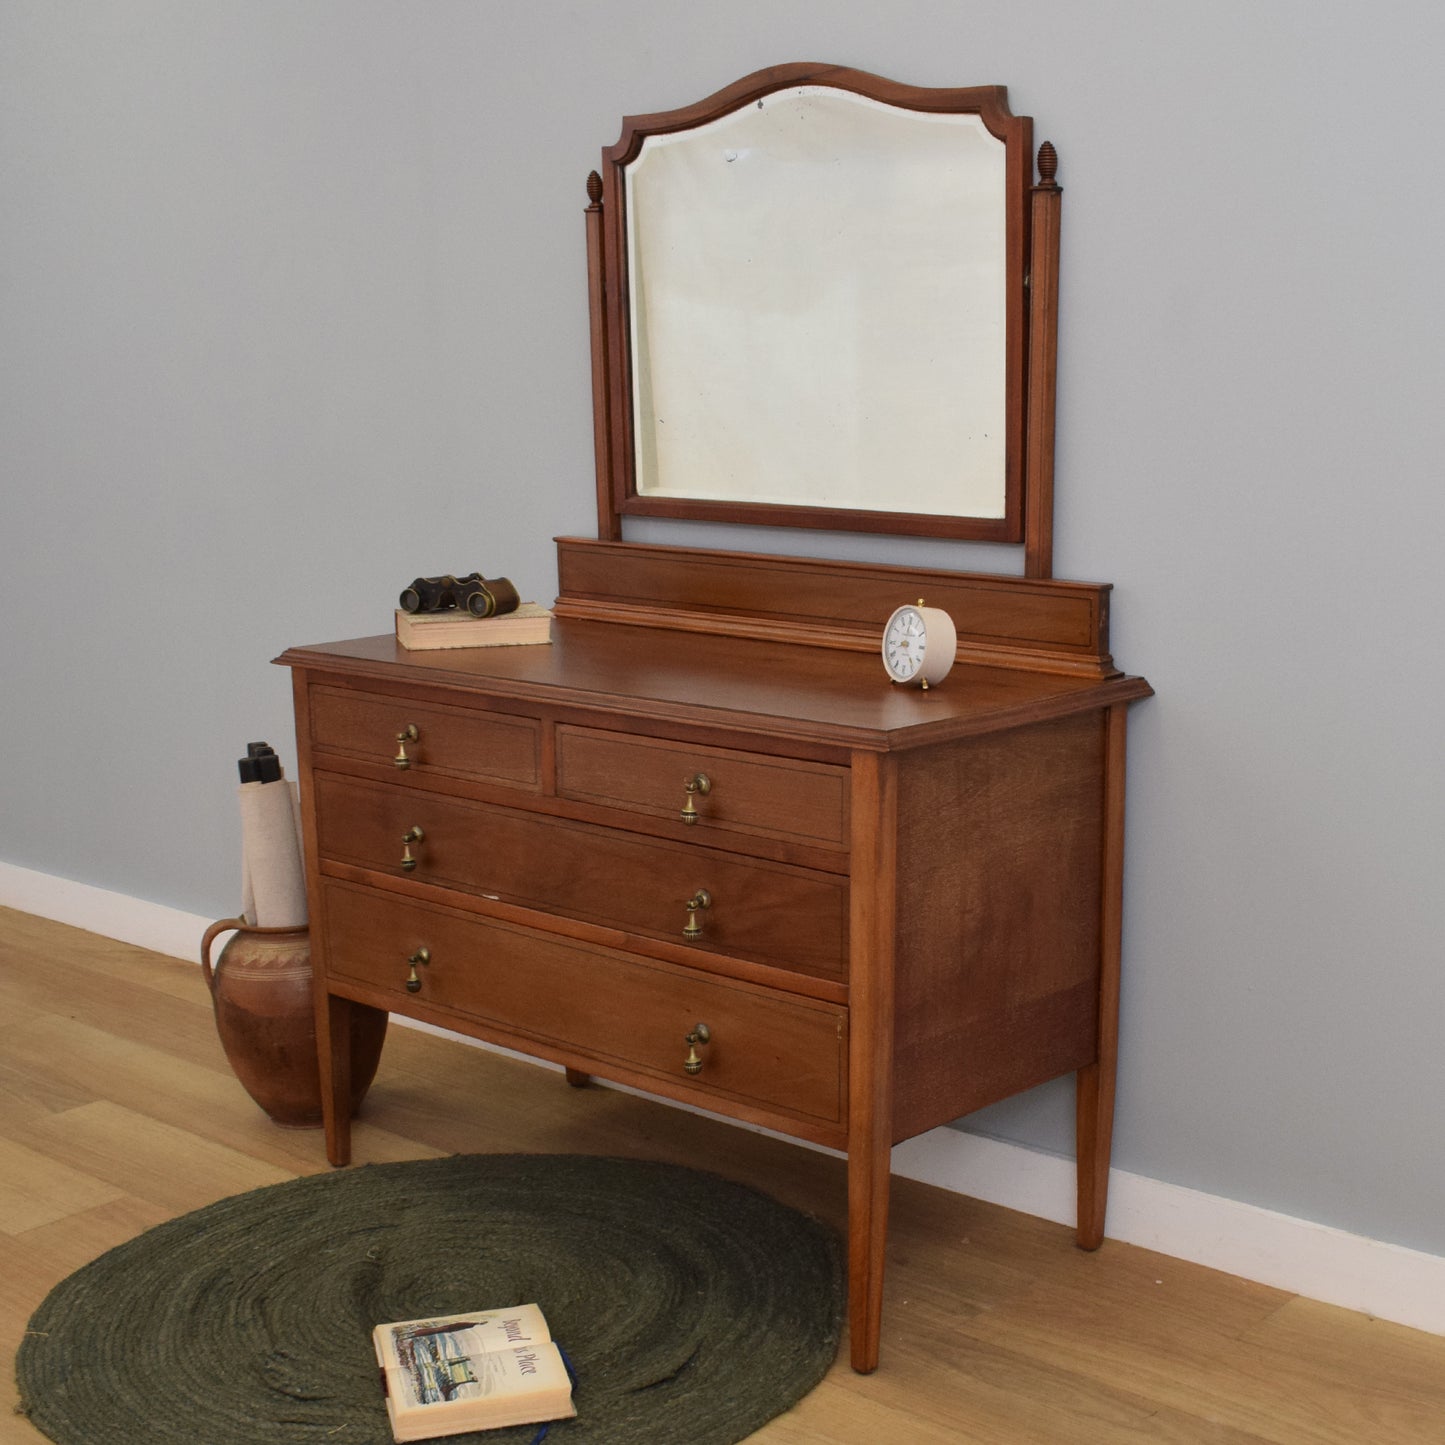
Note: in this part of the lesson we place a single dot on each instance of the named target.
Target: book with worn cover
(531, 623)
(476, 1371)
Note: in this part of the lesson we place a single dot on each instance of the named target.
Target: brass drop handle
(412, 835)
(691, 787)
(408, 734)
(413, 982)
(699, 900)
(692, 1064)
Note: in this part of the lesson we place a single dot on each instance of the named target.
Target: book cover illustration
(474, 1371)
(466, 1359)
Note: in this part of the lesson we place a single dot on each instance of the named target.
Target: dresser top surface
(780, 689)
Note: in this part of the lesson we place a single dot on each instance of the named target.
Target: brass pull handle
(412, 835)
(413, 982)
(699, 900)
(691, 787)
(408, 734)
(692, 1064)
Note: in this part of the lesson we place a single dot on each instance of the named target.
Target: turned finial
(1048, 164)
(594, 188)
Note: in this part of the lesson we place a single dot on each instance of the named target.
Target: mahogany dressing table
(699, 844)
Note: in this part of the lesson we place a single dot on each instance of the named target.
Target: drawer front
(790, 917)
(454, 742)
(766, 1049)
(747, 793)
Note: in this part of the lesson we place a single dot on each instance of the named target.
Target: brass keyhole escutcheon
(408, 734)
(413, 980)
(691, 787)
(412, 835)
(692, 1064)
(699, 900)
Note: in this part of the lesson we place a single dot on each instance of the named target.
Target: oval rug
(691, 1308)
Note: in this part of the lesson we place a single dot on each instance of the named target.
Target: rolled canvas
(273, 882)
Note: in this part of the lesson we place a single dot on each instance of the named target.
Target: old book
(531, 623)
(477, 1371)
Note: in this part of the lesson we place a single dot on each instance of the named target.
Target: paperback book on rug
(477, 1371)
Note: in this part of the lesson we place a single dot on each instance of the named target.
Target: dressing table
(700, 844)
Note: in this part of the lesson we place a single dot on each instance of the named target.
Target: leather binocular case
(473, 593)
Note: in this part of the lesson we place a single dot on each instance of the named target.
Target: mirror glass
(819, 308)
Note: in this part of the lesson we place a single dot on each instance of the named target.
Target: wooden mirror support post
(1047, 205)
(701, 845)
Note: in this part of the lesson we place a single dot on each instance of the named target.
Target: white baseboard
(1406, 1286)
(98, 910)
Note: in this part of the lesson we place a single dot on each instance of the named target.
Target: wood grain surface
(117, 1111)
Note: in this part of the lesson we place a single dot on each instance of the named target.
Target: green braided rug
(692, 1309)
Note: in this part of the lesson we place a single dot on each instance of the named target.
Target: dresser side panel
(998, 928)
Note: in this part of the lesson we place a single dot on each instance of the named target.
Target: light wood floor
(117, 1111)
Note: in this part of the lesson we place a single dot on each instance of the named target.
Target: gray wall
(292, 307)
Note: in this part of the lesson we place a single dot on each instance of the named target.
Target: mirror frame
(1032, 254)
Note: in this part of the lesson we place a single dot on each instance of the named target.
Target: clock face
(904, 640)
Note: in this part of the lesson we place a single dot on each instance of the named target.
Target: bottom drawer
(767, 1049)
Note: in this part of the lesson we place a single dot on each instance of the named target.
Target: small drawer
(794, 918)
(630, 1015)
(748, 793)
(422, 738)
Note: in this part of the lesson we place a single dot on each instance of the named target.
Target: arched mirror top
(811, 307)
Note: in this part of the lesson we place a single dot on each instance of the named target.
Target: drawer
(454, 742)
(767, 1049)
(746, 792)
(791, 917)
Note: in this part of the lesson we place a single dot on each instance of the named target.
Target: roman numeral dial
(919, 644)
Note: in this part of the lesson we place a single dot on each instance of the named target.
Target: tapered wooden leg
(870, 1047)
(333, 1047)
(1094, 1085)
(867, 1243)
(332, 1015)
(578, 1079)
(1095, 1105)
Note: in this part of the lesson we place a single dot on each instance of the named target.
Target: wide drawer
(790, 917)
(427, 738)
(594, 1005)
(748, 793)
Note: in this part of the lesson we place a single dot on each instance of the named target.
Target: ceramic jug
(261, 989)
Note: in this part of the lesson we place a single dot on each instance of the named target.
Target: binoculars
(473, 593)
